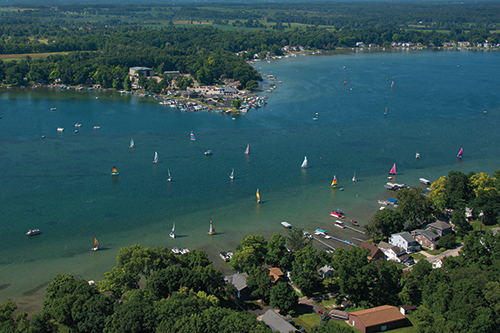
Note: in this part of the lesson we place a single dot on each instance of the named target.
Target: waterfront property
(375, 252)
(405, 241)
(442, 228)
(138, 71)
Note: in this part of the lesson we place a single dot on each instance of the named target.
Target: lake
(62, 184)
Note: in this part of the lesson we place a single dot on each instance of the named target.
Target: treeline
(453, 196)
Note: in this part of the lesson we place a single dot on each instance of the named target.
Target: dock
(352, 228)
(316, 239)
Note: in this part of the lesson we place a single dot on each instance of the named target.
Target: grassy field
(10, 57)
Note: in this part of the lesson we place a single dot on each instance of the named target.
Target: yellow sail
(334, 181)
(258, 196)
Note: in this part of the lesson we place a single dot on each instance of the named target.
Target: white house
(395, 253)
(405, 241)
(325, 272)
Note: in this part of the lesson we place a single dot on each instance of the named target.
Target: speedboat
(60, 129)
(208, 152)
(339, 224)
(33, 232)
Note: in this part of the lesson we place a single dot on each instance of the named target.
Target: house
(239, 281)
(172, 73)
(325, 272)
(442, 228)
(426, 238)
(377, 319)
(277, 323)
(375, 252)
(276, 274)
(137, 71)
(405, 241)
(395, 253)
(406, 309)
(229, 91)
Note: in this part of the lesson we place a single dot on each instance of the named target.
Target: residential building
(276, 274)
(325, 272)
(146, 71)
(442, 228)
(239, 281)
(375, 252)
(405, 241)
(277, 323)
(395, 253)
(426, 238)
(377, 319)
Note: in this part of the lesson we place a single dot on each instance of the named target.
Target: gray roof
(384, 245)
(325, 269)
(406, 236)
(276, 322)
(429, 235)
(239, 281)
(441, 225)
(141, 68)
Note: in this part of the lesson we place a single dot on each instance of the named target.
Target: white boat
(60, 129)
(53, 109)
(33, 232)
(425, 181)
(176, 250)
(78, 125)
(354, 177)
(417, 155)
(169, 179)
(172, 233)
(131, 143)
(339, 224)
(96, 245)
(211, 231)
(208, 152)
(286, 225)
(304, 164)
(155, 160)
(232, 174)
(97, 127)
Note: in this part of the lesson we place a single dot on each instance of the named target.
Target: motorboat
(208, 152)
(286, 225)
(33, 232)
(339, 224)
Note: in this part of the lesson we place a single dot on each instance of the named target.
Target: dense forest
(96, 44)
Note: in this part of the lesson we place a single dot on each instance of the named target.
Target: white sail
(304, 164)
(172, 233)
(354, 177)
(232, 174)
(169, 179)
(156, 158)
(131, 143)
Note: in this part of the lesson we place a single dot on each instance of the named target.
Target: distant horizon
(7, 3)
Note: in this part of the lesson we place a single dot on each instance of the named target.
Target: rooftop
(379, 315)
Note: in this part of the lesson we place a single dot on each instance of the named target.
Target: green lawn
(307, 321)
(417, 256)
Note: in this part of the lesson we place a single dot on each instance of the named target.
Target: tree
(305, 269)
(249, 253)
(384, 223)
(261, 283)
(283, 297)
(413, 282)
(462, 226)
(414, 207)
(296, 240)
(458, 190)
(447, 241)
(277, 253)
(355, 273)
(236, 103)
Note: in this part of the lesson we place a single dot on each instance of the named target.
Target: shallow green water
(62, 184)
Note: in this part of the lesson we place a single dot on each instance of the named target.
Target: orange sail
(96, 243)
(114, 171)
(258, 196)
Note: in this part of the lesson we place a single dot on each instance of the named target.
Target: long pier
(352, 228)
(331, 247)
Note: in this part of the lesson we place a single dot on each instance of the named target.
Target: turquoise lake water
(62, 184)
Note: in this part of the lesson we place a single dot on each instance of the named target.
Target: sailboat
(304, 164)
(354, 177)
(334, 182)
(155, 160)
(247, 151)
(114, 171)
(232, 174)
(417, 155)
(385, 112)
(169, 179)
(211, 231)
(460, 153)
(131, 143)
(393, 170)
(96, 245)
(172, 233)
(192, 136)
(258, 196)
